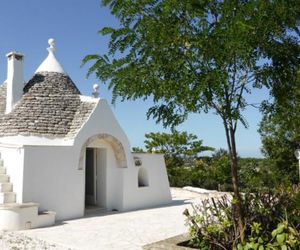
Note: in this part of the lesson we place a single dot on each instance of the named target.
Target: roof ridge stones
(57, 82)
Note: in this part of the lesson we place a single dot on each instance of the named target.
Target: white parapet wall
(18, 217)
(147, 185)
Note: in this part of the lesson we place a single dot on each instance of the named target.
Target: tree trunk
(237, 204)
(237, 195)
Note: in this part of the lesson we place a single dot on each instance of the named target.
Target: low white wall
(13, 157)
(18, 218)
(158, 190)
(52, 179)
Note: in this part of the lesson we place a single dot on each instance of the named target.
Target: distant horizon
(75, 31)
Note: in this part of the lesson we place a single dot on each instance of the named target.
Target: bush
(215, 173)
(257, 174)
(272, 221)
(211, 224)
(208, 173)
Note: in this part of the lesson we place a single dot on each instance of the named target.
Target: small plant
(211, 224)
(284, 237)
(272, 221)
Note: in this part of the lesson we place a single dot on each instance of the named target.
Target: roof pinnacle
(50, 64)
(51, 43)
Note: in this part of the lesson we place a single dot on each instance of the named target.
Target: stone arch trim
(116, 145)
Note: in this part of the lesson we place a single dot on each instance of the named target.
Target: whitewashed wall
(102, 121)
(52, 179)
(158, 190)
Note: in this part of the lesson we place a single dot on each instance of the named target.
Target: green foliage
(261, 175)
(200, 175)
(253, 175)
(192, 56)
(272, 222)
(279, 129)
(137, 150)
(212, 224)
(220, 170)
(180, 148)
(215, 173)
(189, 56)
(284, 237)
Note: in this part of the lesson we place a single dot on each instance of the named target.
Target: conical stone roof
(50, 107)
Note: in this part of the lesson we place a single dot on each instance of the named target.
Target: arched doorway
(103, 158)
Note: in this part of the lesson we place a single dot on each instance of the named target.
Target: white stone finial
(95, 87)
(95, 92)
(50, 64)
(51, 43)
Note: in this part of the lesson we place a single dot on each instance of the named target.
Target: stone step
(91, 210)
(2, 170)
(6, 187)
(4, 178)
(45, 219)
(7, 197)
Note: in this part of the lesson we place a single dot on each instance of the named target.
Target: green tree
(137, 150)
(194, 56)
(279, 129)
(222, 168)
(180, 148)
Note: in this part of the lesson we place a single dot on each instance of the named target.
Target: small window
(143, 180)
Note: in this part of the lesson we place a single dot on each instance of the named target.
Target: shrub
(211, 224)
(272, 221)
(203, 173)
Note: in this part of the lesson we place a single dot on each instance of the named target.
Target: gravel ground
(19, 241)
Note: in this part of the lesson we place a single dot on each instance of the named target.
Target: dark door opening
(90, 177)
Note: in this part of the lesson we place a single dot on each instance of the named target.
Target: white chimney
(15, 80)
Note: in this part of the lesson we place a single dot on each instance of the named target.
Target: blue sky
(26, 26)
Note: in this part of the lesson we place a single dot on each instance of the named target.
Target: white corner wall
(52, 179)
(13, 157)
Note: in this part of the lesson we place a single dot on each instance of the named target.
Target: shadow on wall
(143, 179)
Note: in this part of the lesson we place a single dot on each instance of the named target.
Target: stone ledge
(18, 205)
(170, 243)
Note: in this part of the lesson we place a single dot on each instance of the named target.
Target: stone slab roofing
(50, 107)
(2, 98)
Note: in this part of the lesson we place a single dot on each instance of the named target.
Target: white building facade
(62, 153)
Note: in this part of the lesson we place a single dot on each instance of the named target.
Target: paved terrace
(110, 230)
